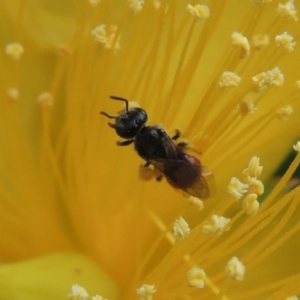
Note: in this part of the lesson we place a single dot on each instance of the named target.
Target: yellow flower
(74, 211)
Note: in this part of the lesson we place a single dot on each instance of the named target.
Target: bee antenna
(107, 115)
(120, 99)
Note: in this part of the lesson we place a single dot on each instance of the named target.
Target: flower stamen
(272, 78)
(136, 5)
(12, 96)
(246, 106)
(45, 100)
(241, 42)
(78, 293)
(146, 291)
(229, 79)
(288, 10)
(235, 269)
(285, 40)
(284, 112)
(195, 277)
(14, 50)
(216, 224)
(250, 204)
(237, 188)
(99, 34)
(200, 12)
(181, 229)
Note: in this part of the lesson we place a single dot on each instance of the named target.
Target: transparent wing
(181, 174)
(204, 188)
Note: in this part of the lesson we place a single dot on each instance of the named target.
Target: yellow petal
(52, 276)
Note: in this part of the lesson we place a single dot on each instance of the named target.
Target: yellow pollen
(235, 269)
(237, 188)
(181, 229)
(156, 4)
(216, 224)
(285, 40)
(12, 96)
(284, 112)
(297, 147)
(292, 298)
(99, 34)
(97, 297)
(78, 293)
(229, 79)
(260, 2)
(112, 30)
(246, 106)
(146, 173)
(196, 203)
(297, 83)
(14, 50)
(195, 277)
(64, 51)
(146, 291)
(136, 5)
(241, 42)
(94, 2)
(45, 100)
(250, 204)
(254, 169)
(260, 41)
(200, 12)
(255, 186)
(272, 78)
(288, 10)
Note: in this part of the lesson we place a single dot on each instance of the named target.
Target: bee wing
(159, 163)
(204, 187)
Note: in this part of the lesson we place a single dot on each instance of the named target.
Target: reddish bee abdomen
(184, 175)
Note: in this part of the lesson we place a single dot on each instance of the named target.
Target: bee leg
(176, 135)
(145, 172)
(125, 143)
(159, 178)
(182, 145)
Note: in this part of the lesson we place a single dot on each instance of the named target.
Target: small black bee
(152, 143)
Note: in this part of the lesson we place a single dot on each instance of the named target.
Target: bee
(152, 143)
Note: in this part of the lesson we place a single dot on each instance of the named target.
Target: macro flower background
(74, 209)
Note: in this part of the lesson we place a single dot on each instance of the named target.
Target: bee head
(129, 121)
